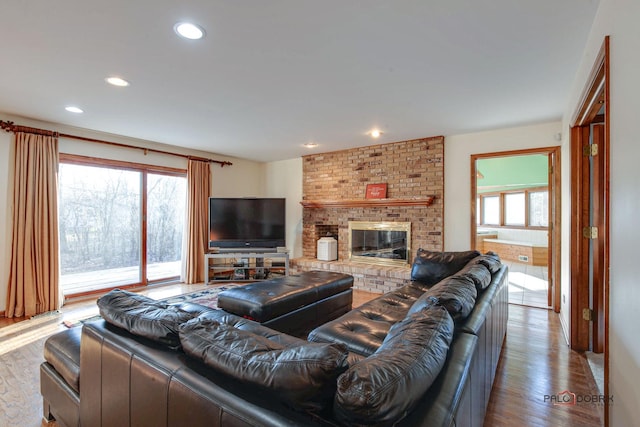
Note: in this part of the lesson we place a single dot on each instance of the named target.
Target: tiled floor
(528, 285)
(596, 364)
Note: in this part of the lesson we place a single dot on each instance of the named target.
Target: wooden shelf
(367, 203)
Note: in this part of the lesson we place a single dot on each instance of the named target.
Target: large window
(106, 211)
(524, 208)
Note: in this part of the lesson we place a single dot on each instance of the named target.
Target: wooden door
(591, 120)
(589, 213)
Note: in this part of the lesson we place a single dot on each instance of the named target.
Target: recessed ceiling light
(189, 31)
(310, 145)
(117, 81)
(73, 109)
(375, 133)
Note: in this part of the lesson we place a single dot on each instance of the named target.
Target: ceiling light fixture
(117, 81)
(189, 31)
(73, 109)
(310, 145)
(375, 133)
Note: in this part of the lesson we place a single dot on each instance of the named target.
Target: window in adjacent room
(539, 208)
(491, 210)
(514, 209)
(525, 208)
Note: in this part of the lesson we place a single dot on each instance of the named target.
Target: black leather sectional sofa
(423, 355)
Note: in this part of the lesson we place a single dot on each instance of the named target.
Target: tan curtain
(34, 273)
(196, 244)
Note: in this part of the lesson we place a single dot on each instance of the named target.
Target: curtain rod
(11, 127)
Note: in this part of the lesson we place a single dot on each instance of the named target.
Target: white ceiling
(271, 75)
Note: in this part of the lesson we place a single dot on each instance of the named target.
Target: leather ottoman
(293, 304)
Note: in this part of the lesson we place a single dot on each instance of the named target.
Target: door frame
(553, 262)
(595, 95)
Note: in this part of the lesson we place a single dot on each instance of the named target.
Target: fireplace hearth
(387, 243)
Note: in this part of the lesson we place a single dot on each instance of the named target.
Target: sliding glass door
(166, 203)
(120, 224)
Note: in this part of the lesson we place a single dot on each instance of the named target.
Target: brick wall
(409, 168)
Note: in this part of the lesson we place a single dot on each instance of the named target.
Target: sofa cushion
(382, 388)
(431, 267)
(456, 293)
(302, 376)
(491, 260)
(424, 302)
(247, 325)
(363, 329)
(478, 273)
(144, 316)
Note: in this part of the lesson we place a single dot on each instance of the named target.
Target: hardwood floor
(535, 362)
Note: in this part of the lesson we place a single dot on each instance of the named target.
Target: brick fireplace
(334, 193)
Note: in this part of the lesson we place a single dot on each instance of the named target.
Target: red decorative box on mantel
(376, 191)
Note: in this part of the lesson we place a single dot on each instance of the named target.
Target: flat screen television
(246, 222)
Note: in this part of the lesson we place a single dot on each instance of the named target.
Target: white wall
(245, 178)
(619, 19)
(457, 160)
(284, 179)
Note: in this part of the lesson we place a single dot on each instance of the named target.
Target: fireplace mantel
(364, 203)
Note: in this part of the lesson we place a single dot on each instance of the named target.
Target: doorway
(515, 213)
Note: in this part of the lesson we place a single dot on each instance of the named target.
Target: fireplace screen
(380, 242)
